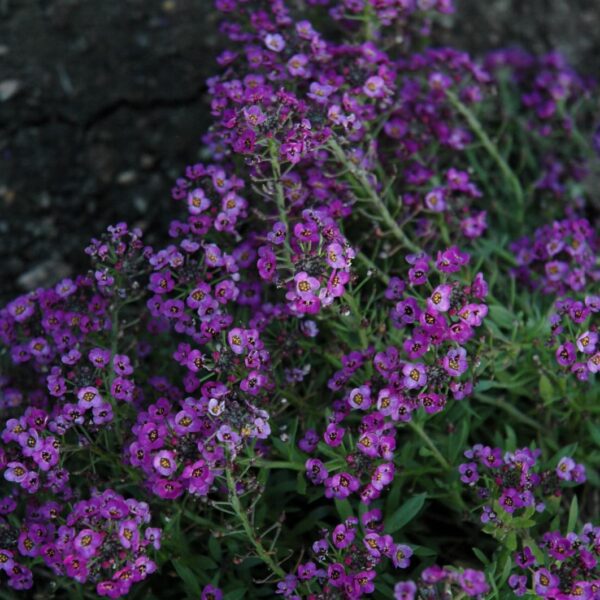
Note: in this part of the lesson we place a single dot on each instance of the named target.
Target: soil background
(102, 104)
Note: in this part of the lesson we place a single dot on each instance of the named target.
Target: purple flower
(510, 500)
(165, 463)
(274, 42)
(468, 472)
(455, 362)
(473, 582)
(414, 375)
(360, 398)
(565, 354)
(405, 590)
(15, 472)
(587, 341)
(440, 298)
(374, 87)
(401, 556)
(320, 92)
(543, 580)
(87, 542)
(89, 397)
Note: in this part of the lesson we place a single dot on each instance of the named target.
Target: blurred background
(102, 106)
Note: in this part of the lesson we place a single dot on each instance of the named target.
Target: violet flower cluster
(559, 567)
(561, 258)
(511, 482)
(574, 336)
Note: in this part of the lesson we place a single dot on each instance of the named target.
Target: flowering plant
(365, 281)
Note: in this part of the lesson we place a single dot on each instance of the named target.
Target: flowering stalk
(247, 527)
(374, 198)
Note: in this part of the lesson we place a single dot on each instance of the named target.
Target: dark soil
(102, 105)
(105, 109)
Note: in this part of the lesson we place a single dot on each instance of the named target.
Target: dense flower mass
(275, 402)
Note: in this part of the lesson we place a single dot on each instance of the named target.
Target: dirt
(102, 105)
(103, 108)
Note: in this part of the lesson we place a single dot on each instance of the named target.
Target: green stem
(430, 444)
(280, 197)
(248, 529)
(363, 258)
(491, 148)
(275, 464)
(373, 196)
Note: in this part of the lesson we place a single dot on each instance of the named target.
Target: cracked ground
(101, 107)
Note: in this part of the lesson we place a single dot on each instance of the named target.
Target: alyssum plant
(365, 363)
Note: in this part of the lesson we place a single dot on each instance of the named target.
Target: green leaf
(546, 389)
(481, 556)
(236, 594)
(502, 317)
(405, 513)
(190, 581)
(511, 541)
(573, 514)
(344, 509)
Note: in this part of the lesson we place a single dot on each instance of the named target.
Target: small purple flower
(440, 298)
(165, 463)
(565, 354)
(587, 341)
(360, 398)
(510, 500)
(414, 375)
(89, 397)
(455, 362)
(468, 473)
(320, 92)
(401, 556)
(374, 87)
(405, 590)
(87, 542)
(473, 582)
(274, 42)
(129, 535)
(15, 472)
(543, 580)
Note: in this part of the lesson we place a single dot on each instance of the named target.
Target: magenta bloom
(164, 462)
(587, 341)
(455, 362)
(305, 285)
(468, 473)
(405, 590)
(89, 397)
(374, 87)
(565, 354)
(360, 398)
(415, 375)
(473, 582)
(274, 42)
(440, 298)
(335, 256)
(401, 556)
(87, 542)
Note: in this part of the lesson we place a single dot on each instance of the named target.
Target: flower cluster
(575, 336)
(511, 482)
(560, 258)
(345, 558)
(105, 539)
(436, 581)
(559, 567)
(428, 369)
